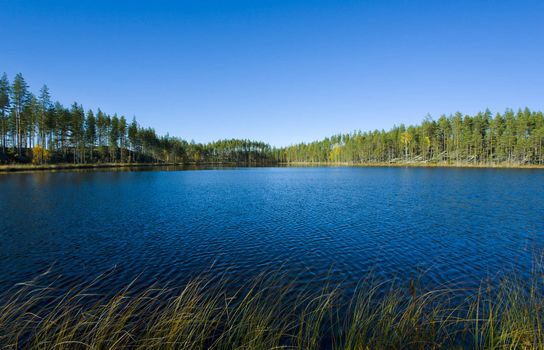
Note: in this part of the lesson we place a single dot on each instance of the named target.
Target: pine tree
(122, 137)
(19, 91)
(114, 138)
(44, 105)
(4, 108)
(90, 133)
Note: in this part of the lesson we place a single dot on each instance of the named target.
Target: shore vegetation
(273, 312)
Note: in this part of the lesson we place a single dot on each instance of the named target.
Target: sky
(280, 71)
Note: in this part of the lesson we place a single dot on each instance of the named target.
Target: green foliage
(4, 109)
(511, 138)
(73, 136)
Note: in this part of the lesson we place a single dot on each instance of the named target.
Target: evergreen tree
(4, 110)
(122, 134)
(44, 105)
(90, 133)
(133, 139)
(77, 134)
(114, 138)
(19, 91)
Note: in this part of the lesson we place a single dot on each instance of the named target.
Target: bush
(40, 155)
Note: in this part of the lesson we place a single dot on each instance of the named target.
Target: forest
(514, 138)
(34, 129)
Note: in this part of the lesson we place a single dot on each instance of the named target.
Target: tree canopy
(511, 137)
(30, 124)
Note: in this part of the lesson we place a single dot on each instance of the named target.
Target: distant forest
(515, 138)
(34, 129)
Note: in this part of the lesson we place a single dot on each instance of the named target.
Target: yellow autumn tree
(406, 138)
(334, 156)
(40, 155)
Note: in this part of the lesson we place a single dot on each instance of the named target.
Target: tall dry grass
(271, 313)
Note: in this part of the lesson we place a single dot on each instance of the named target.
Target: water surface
(334, 224)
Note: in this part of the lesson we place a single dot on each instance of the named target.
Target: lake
(442, 226)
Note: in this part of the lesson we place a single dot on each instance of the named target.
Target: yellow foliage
(196, 157)
(40, 155)
(427, 141)
(335, 153)
(406, 137)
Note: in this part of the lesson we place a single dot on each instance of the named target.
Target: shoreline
(12, 168)
(415, 165)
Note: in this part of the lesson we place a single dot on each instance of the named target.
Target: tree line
(508, 138)
(35, 129)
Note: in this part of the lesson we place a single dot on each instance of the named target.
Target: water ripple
(319, 224)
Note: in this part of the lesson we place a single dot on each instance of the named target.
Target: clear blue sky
(274, 70)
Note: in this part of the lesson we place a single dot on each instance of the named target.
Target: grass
(271, 312)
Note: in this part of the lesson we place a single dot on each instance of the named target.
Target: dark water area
(337, 225)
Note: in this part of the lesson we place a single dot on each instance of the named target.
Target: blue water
(443, 226)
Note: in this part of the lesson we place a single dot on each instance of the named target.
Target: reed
(272, 312)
